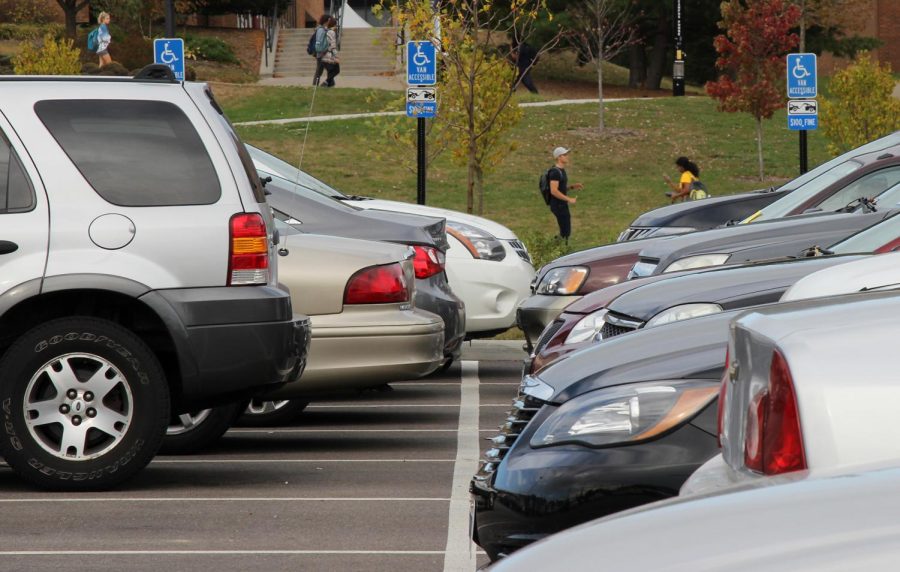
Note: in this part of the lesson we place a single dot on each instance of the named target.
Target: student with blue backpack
(99, 39)
(323, 46)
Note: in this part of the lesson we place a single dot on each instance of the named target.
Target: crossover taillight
(774, 442)
(248, 256)
(428, 261)
(378, 285)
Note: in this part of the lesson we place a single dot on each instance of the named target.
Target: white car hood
(866, 274)
(498, 230)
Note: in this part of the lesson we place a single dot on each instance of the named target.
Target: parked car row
(623, 403)
(159, 281)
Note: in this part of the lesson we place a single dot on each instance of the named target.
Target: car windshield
(794, 199)
(881, 185)
(871, 238)
(275, 166)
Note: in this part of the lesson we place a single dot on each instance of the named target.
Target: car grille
(610, 331)
(520, 249)
(615, 325)
(547, 335)
(632, 233)
(524, 408)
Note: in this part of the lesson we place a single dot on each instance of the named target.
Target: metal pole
(678, 66)
(804, 165)
(420, 188)
(170, 18)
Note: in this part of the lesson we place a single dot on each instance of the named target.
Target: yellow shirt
(687, 177)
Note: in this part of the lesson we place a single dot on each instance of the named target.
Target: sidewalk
(392, 83)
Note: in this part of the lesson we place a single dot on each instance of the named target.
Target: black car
(681, 218)
(617, 425)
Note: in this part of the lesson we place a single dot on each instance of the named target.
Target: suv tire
(90, 441)
(193, 432)
(271, 413)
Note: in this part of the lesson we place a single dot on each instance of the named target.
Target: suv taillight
(248, 256)
(378, 285)
(774, 443)
(428, 261)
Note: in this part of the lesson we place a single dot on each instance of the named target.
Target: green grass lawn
(622, 172)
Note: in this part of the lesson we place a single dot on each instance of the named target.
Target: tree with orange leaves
(752, 59)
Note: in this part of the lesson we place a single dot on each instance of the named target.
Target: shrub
(133, 52)
(54, 57)
(90, 68)
(30, 11)
(23, 32)
(544, 248)
(861, 107)
(114, 68)
(210, 49)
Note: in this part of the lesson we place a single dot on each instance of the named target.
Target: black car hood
(692, 349)
(317, 216)
(730, 287)
(691, 213)
(759, 241)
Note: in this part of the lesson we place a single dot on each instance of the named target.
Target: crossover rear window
(16, 194)
(134, 153)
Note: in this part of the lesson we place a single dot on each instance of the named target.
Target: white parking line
(210, 552)
(251, 461)
(459, 555)
(221, 499)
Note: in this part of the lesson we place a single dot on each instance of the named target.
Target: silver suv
(137, 274)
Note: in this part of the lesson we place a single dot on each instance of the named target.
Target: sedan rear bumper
(346, 356)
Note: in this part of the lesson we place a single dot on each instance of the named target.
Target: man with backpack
(323, 46)
(555, 190)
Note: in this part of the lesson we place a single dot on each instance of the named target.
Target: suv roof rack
(156, 71)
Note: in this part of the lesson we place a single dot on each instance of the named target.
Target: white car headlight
(625, 413)
(480, 244)
(562, 281)
(683, 312)
(587, 327)
(698, 261)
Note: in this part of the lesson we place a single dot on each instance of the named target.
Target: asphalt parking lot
(373, 483)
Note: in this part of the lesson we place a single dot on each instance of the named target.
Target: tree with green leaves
(861, 106)
(479, 78)
(752, 59)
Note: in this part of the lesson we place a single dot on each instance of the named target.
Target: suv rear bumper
(232, 341)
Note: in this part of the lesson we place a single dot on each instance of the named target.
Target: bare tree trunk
(759, 147)
(599, 61)
(70, 24)
(658, 53)
(479, 190)
(637, 66)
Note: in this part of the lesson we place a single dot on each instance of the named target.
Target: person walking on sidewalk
(330, 60)
(559, 192)
(104, 38)
(319, 45)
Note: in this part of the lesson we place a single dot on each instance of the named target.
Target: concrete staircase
(364, 51)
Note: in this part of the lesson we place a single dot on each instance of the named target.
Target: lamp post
(678, 66)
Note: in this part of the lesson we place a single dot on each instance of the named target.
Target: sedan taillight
(378, 285)
(774, 442)
(428, 261)
(248, 255)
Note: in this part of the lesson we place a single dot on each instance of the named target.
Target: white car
(836, 522)
(872, 273)
(488, 267)
(810, 384)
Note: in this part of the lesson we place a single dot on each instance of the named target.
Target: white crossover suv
(137, 273)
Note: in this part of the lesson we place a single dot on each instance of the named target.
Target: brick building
(882, 22)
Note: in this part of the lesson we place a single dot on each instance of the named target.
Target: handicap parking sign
(421, 64)
(801, 75)
(170, 52)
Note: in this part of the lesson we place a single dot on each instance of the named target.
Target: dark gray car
(312, 213)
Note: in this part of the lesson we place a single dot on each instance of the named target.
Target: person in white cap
(559, 192)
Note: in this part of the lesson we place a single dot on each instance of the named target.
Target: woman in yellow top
(690, 173)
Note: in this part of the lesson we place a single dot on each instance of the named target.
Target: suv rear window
(134, 153)
(16, 194)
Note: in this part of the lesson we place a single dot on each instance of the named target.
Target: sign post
(421, 100)
(170, 52)
(678, 66)
(803, 109)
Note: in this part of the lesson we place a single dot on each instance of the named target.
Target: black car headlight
(625, 413)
